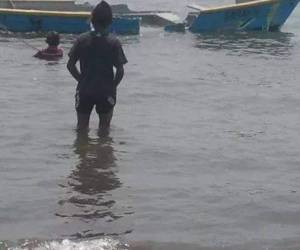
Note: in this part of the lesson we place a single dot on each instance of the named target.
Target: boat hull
(62, 22)
(266, 15)
(153, 18)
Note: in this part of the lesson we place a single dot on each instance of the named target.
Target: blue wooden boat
(20, 20)
(153, 17)
(265, 15)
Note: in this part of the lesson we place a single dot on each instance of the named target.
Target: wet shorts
(84, 103)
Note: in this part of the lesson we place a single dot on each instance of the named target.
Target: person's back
(98, 54)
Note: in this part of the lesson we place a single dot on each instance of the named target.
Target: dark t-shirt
(97, 56)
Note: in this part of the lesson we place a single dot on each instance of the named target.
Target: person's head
(101, 16)
(52, 38)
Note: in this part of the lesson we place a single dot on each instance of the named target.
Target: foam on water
(66, 244)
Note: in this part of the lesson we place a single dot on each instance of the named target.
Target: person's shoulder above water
(79, 43)
(51, 53)
(84, 37)
(114, 42)
(119, 57)
(113, 39)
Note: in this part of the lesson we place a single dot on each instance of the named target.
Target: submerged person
(98, 53)
(52, 52)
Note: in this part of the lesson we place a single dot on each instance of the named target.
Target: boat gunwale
(78, 14)
(83, 14)
(237, 6)
(55, 1)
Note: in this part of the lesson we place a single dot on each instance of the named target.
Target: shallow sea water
(204, 150)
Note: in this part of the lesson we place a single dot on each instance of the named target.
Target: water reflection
(243, 43)
(91, 183)
(95, 173)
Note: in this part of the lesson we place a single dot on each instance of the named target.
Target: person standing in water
(98, 53)
(53, 52)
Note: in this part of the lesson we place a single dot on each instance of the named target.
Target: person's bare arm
(71, 66)
(119, 74)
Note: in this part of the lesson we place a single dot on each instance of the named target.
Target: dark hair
(102, 15)
(52, 38)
